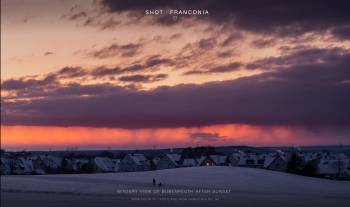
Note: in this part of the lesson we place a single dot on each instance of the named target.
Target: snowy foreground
(204, 186)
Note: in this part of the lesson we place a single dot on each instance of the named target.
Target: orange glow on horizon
(84, 137)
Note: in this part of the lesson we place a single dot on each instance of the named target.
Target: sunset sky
(102, 73)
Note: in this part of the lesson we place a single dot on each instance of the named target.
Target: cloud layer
(285, 18)
(314, 92)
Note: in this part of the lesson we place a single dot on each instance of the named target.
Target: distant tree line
(198, 152)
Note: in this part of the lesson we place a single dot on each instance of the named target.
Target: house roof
(105, 163)
(218, 159)
(238, 152)
(280, 152)
(51, 161)
(116, 161)
(201, 159)
(268, 160)
(26, 164)
(239, 156)
(332, 166)
(139, 159)
(3, 160)
(175, 158)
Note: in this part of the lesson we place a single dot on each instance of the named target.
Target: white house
(238, 158)
(116, 163)
(169, 161)
(105, 164)
(309, 156)
(5, 168)
(74, 164)
(23, 165)
(189, 162)
(243, 159)
(275, 162)
(348, 168)
(50, 161)
(212, 160)
(333, 166)
(135, 162)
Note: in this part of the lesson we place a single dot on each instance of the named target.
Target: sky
(107, 74)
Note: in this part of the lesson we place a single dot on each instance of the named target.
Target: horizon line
(76, 148)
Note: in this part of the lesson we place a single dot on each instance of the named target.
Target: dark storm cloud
(143, 78)
(302, 94)
(75, 89)
(27, 83)
(70, 72)
(175, 36)
(127, 50)
(207, 136)
(72, 90)
(48, 53)
(342, 33)
(134, 68)
(226, 68)
(225, 54)
(231, 38)
(75, 16)
(298, 57)
(150, 64)
(51, 82)
(207, 44)
(92, 18)
(219, 69)
(103, 71)
(157, 60)
(103, 24)
(285, 18)
(262, 43)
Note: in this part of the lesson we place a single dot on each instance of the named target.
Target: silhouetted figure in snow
(154, 181)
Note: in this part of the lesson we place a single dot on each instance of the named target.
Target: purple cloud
(311, 94)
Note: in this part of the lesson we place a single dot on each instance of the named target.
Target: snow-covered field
(226, 185)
